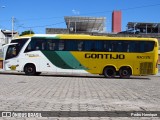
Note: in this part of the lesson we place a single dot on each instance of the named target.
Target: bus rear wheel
(109, 72)
(125, 72)
(30, 69)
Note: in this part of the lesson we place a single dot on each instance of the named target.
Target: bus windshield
(13, 50)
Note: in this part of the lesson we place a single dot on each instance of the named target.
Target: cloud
(75, 12)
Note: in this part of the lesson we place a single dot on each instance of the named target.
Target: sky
(36, 15)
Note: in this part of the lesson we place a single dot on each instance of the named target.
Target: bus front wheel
(125, 72)
(30, 69)
(109, 72)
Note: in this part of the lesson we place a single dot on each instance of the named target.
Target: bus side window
(137, 47)
(80, 45)
(70, 45)
(43, 45)
(50, 45)
(148, 46)
(61, 45)
(87, 46)
(93, 46)
(106, 47)
(37, 46)
(114, 46)
(40, 44)
(128, 48)
(125, 46)
(131, 46)
(29, 48)
(99, 45)
(54, 46)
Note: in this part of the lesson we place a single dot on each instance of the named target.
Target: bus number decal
(143, 57)
(104, 56)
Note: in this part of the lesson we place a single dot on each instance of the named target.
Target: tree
(28, 32)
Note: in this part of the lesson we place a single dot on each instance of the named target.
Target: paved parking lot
(78, 93)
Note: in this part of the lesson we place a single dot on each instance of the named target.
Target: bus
(71, 53)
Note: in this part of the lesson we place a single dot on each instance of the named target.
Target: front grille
(146, 68)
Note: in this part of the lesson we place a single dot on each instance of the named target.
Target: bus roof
(83, 36)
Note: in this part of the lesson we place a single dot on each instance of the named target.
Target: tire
(30, 69)
(109, 72)
(125, 72)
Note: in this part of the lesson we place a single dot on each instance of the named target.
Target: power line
(33, 19)
(43, 25)
(139, 7)
(123, 9)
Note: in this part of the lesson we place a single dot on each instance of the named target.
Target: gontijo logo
(104, 56)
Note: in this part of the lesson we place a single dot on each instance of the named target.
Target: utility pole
(12, 26)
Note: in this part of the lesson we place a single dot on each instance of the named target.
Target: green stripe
(63, 59)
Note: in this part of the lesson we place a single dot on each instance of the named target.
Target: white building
(6, 36)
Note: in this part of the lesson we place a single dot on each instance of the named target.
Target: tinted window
(90, 45)
(37, 44)
(52, 45)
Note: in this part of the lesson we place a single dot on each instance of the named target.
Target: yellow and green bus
(69, 53)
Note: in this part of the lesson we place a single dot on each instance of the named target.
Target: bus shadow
(78, 76)
(99, 77)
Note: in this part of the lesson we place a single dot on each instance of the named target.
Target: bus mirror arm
(9, 44)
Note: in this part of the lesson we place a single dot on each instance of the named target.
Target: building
(6, 36)
(57, 31)
(145, 28)
(116, 21)
(85, 24)
(80, 25)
